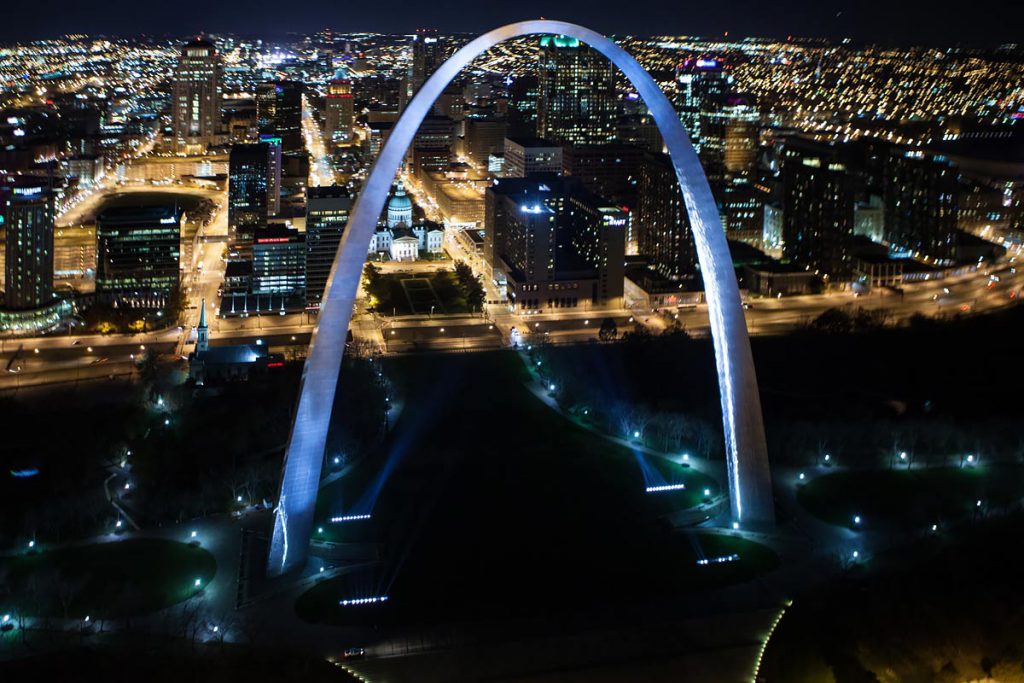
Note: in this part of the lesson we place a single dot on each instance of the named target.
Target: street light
(197, 583)
(193, 534)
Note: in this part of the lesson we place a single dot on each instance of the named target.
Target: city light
(719, 560)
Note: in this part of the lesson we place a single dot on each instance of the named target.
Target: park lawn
(918, 497)
(106, 580)
(486, 503)
(523, 597)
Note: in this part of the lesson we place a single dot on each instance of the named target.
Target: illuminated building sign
(707, 63)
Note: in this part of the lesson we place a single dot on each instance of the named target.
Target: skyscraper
(921, 204)
(137, 254)
(248, 183)
(576, 100)
(552, 244)
(702, 86)
(279, 113)
(817, 207)
(662, 226)
(327, 210)
(26, 211)
(429, 51)
(197, 98)
(340, 112)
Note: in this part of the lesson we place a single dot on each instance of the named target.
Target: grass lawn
(918, 497)
(106, 580)
(495, 505)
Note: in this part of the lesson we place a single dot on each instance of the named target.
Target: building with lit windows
(551, 244)
(662, 227)
(279, 261)
(817, 207)
(137, 256)
(279, 113)
(429, 50)
(527, 156)
(702, 86)
(576, 98)
(340, 112)
(27, 213)
(921, 204)
(197, 96)
(327, 210)
(248, 192)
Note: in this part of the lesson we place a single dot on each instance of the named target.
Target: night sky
(941, 22)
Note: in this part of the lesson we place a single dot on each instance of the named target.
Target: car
(76, 342)
(355, 653)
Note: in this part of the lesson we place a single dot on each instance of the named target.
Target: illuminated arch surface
(746, 452)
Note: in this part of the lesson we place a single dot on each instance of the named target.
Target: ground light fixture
(802, 476)
(348, 518)
(735, 526)
(363, 601)
(719, 560)
(665, 487)
(856, 519)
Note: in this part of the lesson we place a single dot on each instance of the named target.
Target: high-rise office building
(662, 226)
(527, 156)
(26, 213)
(922, 204)
(197, 98)
(327, 210)
(137, 255)
(484, 137)
(522, 105)
(576, 99)
(273, 173)
(702, 86)
(429, 51)
(279, 113)
(340, 112)
(279, 261)
(248, 185)
(549, 244)
(817, 207)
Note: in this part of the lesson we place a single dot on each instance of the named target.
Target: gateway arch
(750, 489)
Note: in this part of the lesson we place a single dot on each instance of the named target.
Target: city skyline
(515, 353)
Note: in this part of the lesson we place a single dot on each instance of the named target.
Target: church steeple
(202, 331)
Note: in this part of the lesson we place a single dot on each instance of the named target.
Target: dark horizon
(989, 24)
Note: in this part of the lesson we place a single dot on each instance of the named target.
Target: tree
(469, 284)
(609, 330)
(833, 321)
